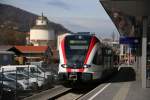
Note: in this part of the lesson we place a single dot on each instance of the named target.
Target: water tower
(42, 34)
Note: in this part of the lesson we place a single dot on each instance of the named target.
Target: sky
(76, 15)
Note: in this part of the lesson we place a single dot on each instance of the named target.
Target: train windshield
(76, 47)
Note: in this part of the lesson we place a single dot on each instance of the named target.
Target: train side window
(99, 57)
(95, 59)
(98, 60)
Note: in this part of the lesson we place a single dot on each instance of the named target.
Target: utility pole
(113, 36)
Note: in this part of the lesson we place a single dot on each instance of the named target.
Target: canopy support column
(144, 51)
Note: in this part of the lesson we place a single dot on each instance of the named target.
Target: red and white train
(84, 58)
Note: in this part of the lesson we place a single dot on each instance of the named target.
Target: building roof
(43, 27)
(31, 49)
(5, 48)
(42, 18)
(40, 27)
(7, 52)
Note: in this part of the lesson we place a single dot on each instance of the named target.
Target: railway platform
(125, 85)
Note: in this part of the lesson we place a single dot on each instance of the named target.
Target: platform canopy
(127, 15)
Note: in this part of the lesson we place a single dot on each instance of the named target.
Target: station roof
(127, 15)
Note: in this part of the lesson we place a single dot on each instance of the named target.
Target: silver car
(21, 79)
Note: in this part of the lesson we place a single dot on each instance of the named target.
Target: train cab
(83, 58)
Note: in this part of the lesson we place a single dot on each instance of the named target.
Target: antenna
(42, 17)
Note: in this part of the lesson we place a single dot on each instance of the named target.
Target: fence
(19, 82)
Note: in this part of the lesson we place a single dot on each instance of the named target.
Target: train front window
(76, 49)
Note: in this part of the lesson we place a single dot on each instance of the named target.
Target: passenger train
(84, 58)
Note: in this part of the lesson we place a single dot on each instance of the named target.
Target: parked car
(4, 81)
(7, 91)
(32, 78)
(38, 71)
(21, 79)
(41, 64)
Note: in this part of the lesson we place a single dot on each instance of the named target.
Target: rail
(48, 94)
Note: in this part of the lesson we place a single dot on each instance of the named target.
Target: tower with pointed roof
(41, 34)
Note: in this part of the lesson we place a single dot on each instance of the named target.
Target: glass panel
(76, 48)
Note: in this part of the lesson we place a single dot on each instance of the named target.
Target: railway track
(75, 93)
(49, 94)
(70, 95)
(62, 93)
(81, 90)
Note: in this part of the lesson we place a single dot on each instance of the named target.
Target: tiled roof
(31, 49)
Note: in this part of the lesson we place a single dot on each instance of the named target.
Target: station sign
(130, 40)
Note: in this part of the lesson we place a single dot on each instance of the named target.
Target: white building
(41, 34)
(126, 55)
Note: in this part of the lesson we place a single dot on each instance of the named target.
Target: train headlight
(64, 65)
(86, 66)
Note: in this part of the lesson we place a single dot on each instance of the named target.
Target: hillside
(15, 21)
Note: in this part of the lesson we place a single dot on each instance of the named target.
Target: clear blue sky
(76, 15)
